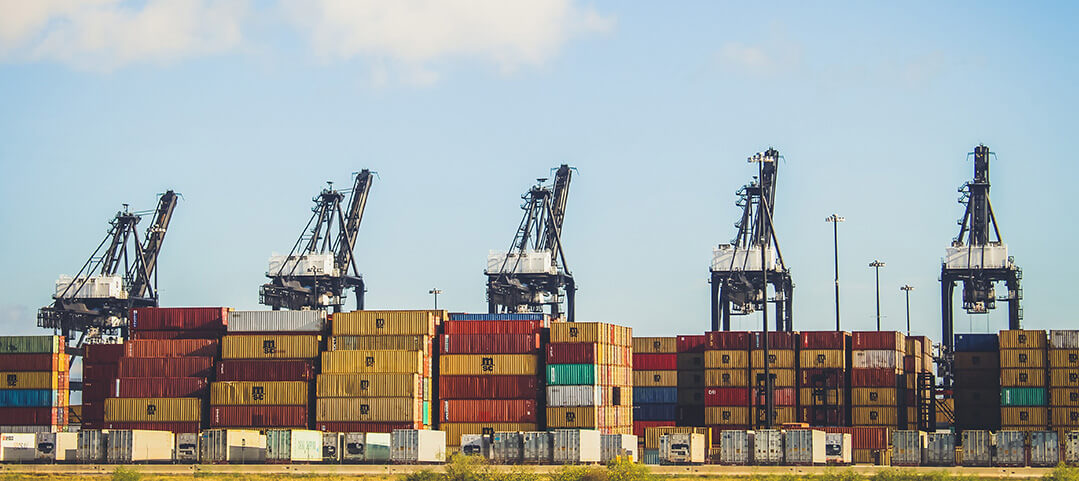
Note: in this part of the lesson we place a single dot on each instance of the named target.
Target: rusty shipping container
(172, 335)
(694, 343)
(163, 387)
(34, 362)
(488, 387)
(827, 340)
(265, 370)
(488, 410)
(165, 367)
(878, 340)
(727, 340)
(171, 348)
(258, 416)
(874, 377)
(492, 327)
(489, 344)
(179, 318)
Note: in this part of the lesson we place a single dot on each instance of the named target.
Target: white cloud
(105, 34)
(774, 55)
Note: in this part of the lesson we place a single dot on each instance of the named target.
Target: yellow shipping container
(878, 457)
(1022, 339)
(781, 377)
(655, 378)
(726, 415)
(574, 417)
(1024, 416)
(455, 430)
(153, 409)
(259, 393)
(780, 415)
(805, 397)
(269, 346)
(655, 345)
(374, 409)
(823, 358)
(1064, 397)
(874, 416)
(1021, 358)
(372, 323)
(1022, 377)
(31, 380)
(652, 434)
(392, 342)
(873, 396)
(1064, 377)
(487, 364)
(726, 377)
(373, 361)
(1064, 358)
(777, 358)
(597, 332)
(1065, 416)
(726, 359)
(369, 385)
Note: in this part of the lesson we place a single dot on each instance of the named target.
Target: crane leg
(714, 287)
(1013, 300)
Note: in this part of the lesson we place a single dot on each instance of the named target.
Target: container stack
(1024, 391)
(655, 383)
(489, 366)
(1064, 381)
(727, 395)
(266, 368)
(823, 394)
(917, 362)
(977, 382)
(376, 376)
(165, 369)
(596, 359)
(99, 368)
(34, 394)
(689, 379)
(781, 367)
(877, 388)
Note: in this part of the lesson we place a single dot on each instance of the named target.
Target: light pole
(760, 158)
(907, 288)
(835, 220)
(435, 291)
(876, 265)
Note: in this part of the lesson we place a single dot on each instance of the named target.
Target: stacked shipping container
(592, 357)
(489, 366)
(877, 388)
(977, 382)
(34, 391)
(266, 368)
(1064, 381)
(99, 369)
(727, 381)
(655, 376)
(782, 364)
(689, 379)
(917, 361)
(823, 381)
(1023, 386)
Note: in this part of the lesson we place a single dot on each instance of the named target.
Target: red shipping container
(824, 339)
(488, 387)
(488, 343)
(175, 427)
(171, 348)
(884, 340)
(102, 353)
(781, 396)
(863, 377)
(364, 427)
(146, 335)
(492, 327)
(726, 396)
(258, 370)
(728, 340)
(33, 362)
(821, 416)
(864, 437)
(655, 362)
(159, 387)
(258, 416)
(487, 410)
(165, 367)
(179, 318)
(97, 389)
(830, 377)
(909, 364)
(776, 340)
(12, 416)
(93, 410)
(99, 371)
(692, 343)
(639, 427)
(572, 353)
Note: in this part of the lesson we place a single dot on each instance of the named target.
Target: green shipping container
(427, 413)
(30, 344)
(1022, 396)
(571, 374)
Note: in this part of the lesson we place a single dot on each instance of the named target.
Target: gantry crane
(120, 275)
(737, 277)
(977, 258)
(533, 274)
(321, 267)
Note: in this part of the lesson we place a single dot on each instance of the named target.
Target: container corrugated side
(265, 370)
(1010, 448)
(1024, 416)
(652, 434)
(465, 316)
(126, 446)
(32, 379)
(293, 445)
(259, 416)
(34, 362)
(165, 367)
(457, 327)
(726, 415)
(977, 448)
(385, 409)
(488, 387)
(727, 377)
(726, 359)
(170, 348)
(907, 447)
(655, 378)
(592, 332)
(1022, 358)
(822, 358)
(874, 416)
(649, 395)
(488, 410)
(1044, 448)
(877, 359)
(768, 446)
(369, 385)
(269, 346)
(561, 374)
(777, 358)
(1061, 358)
(940, 449)
(489, 343)
(170, 426)
(368, 323)
(882, 340)
(277, 321)
(658, 345)
(232, 446)
(179, 318)
(373, 361)
(1023, 396)
(735, 447)
(1064, 339)
(487, 364)
(267, 393)
(1022, 377)
(403, 342)
(574, 395)
(780, 377)
(153, 409)
(158, 387)
(32, 398)
(874, 396)
(31, 344)
(1022, 339)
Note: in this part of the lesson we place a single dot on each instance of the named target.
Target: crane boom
(155, 238)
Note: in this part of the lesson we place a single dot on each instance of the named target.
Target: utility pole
(907, 288)
(876, 265)
(835, 220)
(435, 291)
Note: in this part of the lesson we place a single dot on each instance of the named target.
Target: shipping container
(488, 364)
(454, 431)
(588, 416)
(726, 415)
(488, 387)
(1023, 396)
(874, 416)
(649, 395)
(735, 447)
(822, 359)
(683, 448)
(694, 343)
(727, 396)
(575, 395)
(18, 447)
(269, 346)
(878, 340)
(489, 344)
(874, 396)
(907, 447)
(726, 359)
(874, 378)
(563, 374)
(687, 379)
(179, 318)
(258, 416)
(376, 409)
(589, 332)
(488, 410)
(33, 380)
(163, 387)
(838, 448)
(366, 427)
(374, 361)
(650, 456)
(293, 446)
(878, 359)
(1022, 358)
(780, 377)
(776, 340)
(977, 447)
(656, 378)
(864, 437)
(32, 344)
(331, 447)
(726, 377)
(777, 358)
(187, 448)
(172, 335)
(977, 343)
(652, 434)
(728, 340)
(56, 447)
(31, 398)
(809, 377)
(128, 446)
(102, 353)
(1064, 377)
(1044, 449)
(277, 321)
(575, 353)
(153, 409)
(575, 446)
(402, 342)
(618, 447)
(1071, 448)
(782, 396)
(1022, 378)
(657, 362)
(165, 367)
(1010, 448)
(235, 446)
(687, 396)
(171, 348)
(507, 447)
(461, 316)
(45, 416)
(656, 345)
(804, 447)
(455, 327)
(537, 447)
(265, 370)
(828, 340)
(1064, 358)
(34, 362)
(366, 447)
(92, 444)
(370, 385)
(369, 323)
(476, 445)
(655, 412)
(259, 393)
(1022, 339)
(170, 426)
(100, 372)
(940, 449)
(1064, 339)
(417, 446)
(1024, 416)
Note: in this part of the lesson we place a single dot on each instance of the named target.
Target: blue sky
(247, 108)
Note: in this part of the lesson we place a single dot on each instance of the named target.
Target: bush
(124, 473)
(1063, 473)
(625, 470)
(424, 475)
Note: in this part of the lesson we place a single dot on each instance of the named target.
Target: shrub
(1063, 473)
(124, 473)
(625, 470)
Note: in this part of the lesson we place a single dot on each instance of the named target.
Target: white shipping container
(768, 447)
(838, 448)
(331, 447)
(126, 446)
(92, 446)
(1071, 448)
(967, 257)
(277, 321)
(682, 448)
(736, 447)
(940, 449)
(232, 446)
(907, 447)
(1011, 448)
(353, 447)
(575, 446)
(506, 447)
(804, 447)
(528, 262)
(877, 359)
(304, 265)
(1064, 339)
(977, 448)
(571, 396)
(187, 448)
(476, 445)
(367, 447)
(417, 446)
(56, 447)
(293, 445)
(18, 447)
(29, 429)
(94, 287)
(1044, 449)
(618, 447)
(537, 447)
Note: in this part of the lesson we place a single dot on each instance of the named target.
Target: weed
(124, 473)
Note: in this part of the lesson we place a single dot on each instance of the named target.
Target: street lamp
(760, 158)
(435, 291)
(907, 288)
(876, 265)
(835, 220)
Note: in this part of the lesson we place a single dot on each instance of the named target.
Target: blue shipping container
(655, 412)
(655, 395)
(29, 398)
(976, 343)
(497, 317)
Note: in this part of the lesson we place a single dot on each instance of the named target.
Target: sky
(248, 109)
